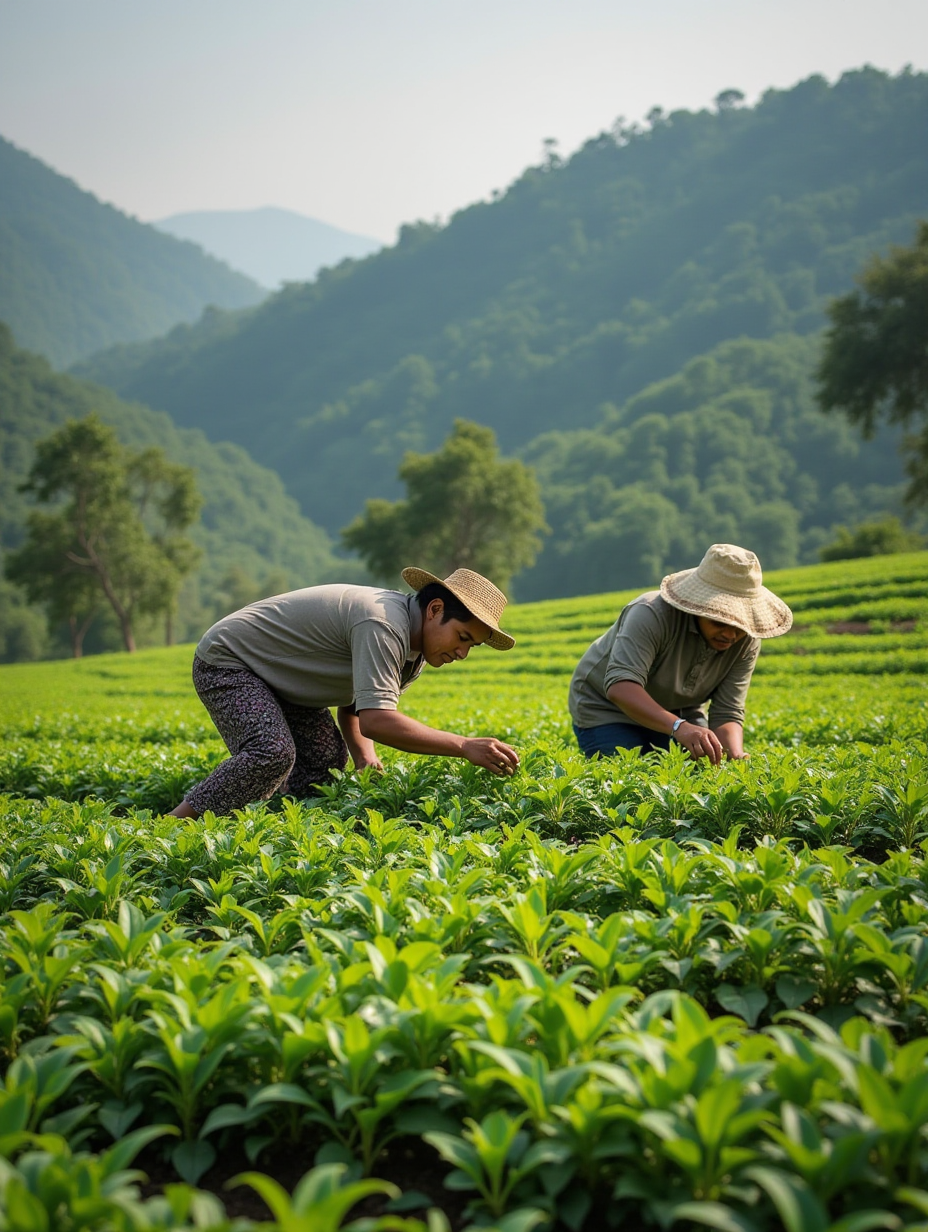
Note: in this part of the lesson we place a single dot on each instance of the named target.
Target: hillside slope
(251, 532)
(77, 275)
(582, 285)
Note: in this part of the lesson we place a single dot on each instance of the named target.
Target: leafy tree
(466, 508)
(875, 362)
(70, 595)
(247, 519)
(118, 538)
(23, 634)
(727, 99)
(872, 539)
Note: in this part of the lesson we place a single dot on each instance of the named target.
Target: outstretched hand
(700, 742)
(492, 755)
(368, 763)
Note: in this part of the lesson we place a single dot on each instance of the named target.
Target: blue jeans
(607, 737)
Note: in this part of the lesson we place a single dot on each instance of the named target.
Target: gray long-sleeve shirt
(659, 647)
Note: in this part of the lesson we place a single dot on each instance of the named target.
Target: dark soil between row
(410, 1165)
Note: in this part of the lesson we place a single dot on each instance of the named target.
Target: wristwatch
(677, 722)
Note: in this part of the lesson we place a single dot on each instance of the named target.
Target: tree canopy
(248, 526)
(118, 537)
(875, 362)
(466, 508)
(731, 449)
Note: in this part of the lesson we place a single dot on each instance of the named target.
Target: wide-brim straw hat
(481, 598)
(727, 585)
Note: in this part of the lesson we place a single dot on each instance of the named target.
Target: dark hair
(454, 608)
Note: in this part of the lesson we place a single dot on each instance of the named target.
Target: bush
(872, 539)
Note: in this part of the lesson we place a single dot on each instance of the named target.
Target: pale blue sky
(369, 113)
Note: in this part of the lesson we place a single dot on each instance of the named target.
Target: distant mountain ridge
(77, 275)
(270, 245)
(553, 308)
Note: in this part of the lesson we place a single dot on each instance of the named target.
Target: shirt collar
(415, 626)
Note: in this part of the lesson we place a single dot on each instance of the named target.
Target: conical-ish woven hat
(727, 585)
(478, 595)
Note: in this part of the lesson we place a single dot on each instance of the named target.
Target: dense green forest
(77, 275)
(732, 449)
(253, 538)
(557, 305)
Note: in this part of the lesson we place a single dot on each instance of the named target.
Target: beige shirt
(659, 647)
(323, 645)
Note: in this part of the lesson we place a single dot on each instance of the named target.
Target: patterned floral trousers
(275, 745)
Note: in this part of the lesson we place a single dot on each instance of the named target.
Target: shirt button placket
(692, 675)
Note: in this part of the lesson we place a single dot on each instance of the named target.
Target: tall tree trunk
(98, 566)
(125, 624)
(78, 632)
(169, 627)
(77, 638)
(123, 614)
(82, 633)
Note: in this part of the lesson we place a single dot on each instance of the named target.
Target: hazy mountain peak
(269, 244)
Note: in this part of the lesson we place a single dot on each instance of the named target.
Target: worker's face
(444, 642)
(719, 636)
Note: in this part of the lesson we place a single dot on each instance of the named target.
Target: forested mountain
(270, 245)
(77, 275)
(553, 306)
(732, 449)
(253, 538)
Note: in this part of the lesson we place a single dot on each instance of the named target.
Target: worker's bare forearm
(632, 699)
(401, 732)
(731, 738)
(640, 706)
(360, 747)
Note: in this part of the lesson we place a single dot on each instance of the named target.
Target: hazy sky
(369, 113)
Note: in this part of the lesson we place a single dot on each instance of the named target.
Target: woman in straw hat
(269, 673)
(674, 651)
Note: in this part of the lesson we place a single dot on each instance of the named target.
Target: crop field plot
(632, 993)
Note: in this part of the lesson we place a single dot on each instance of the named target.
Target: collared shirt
(659, 647)
(323, 645)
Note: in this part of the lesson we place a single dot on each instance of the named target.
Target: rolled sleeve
(377, 659)
(637, 644)
(729, 697)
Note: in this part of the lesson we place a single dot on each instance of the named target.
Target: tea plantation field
(635, 993)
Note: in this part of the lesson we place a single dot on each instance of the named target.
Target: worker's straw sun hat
(727, 585)
(479, 596)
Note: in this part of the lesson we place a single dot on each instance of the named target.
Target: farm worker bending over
(672, 652)
(269, 673)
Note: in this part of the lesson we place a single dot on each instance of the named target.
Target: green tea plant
(635, 990)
